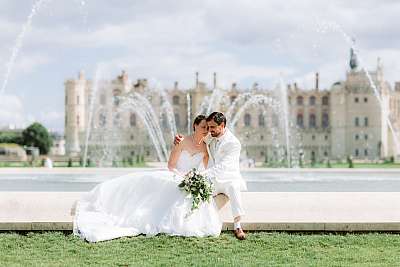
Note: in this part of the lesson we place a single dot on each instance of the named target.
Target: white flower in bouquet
(197, 186)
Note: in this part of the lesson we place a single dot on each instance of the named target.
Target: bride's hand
(178, 139)
(175, 171)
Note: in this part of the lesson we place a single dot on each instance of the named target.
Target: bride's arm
(206, 157)
(174, 156)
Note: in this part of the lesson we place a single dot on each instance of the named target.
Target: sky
(164, 41)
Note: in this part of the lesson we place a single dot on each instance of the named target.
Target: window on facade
(356, 137)
(177, 120)
(356, 153)
(365, 99)
(312, 121)
(366, 136)
(132, 137)
(233, 98)
(262, 153)
(133, 153)
(325, 153)
(325, 120)
(77, 120)
(261, 120)
(77, 100)
(132, 119)
(117, 120)
(102, 99)
(116, 97)
(275, 120)
(66, 100)
(379, 147)
(312, 101)
(366, 121)
(299, 100)
(102, 120)
(356, 122)
(247, 119)
(164, 121)
(261, 137)
(356, 100)
(325, 100)
(313, 137)
(326, 137)
(300, 120)
(365, 152)
(175, 100)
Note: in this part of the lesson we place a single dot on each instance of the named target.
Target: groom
(224, 150)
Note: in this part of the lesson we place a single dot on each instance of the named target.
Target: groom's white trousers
(232, 191)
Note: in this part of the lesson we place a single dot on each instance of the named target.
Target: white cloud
(170, 40)
(27, 63)
(52, 119)
(12, 111)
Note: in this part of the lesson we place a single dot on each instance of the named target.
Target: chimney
(234, 85)
(81, 75)
(215, 80)
(124, 76)
(397, 87)
(197, 79)
(317, 81)
(255, 86)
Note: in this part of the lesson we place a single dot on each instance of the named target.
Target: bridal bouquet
(197, 186)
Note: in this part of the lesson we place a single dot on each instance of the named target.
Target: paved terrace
(287, 211)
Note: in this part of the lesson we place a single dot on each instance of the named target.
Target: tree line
(35, 135)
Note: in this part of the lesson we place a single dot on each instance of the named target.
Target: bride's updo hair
(198, 120)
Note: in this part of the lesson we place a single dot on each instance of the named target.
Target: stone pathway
(287, 211)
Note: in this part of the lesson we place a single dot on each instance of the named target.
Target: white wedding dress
(147, 202)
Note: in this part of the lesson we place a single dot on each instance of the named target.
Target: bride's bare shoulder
(185, 141)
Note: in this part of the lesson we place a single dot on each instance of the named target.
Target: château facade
(344, 120)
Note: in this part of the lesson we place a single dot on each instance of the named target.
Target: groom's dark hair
(217, 117)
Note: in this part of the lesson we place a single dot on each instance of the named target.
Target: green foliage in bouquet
(197, 186)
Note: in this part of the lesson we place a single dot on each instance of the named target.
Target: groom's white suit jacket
(224, 159)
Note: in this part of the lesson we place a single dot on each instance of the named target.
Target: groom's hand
(178, 139)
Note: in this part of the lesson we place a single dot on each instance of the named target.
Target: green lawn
(341, 165)
(14, 164)
(260, 249)
(358, 165)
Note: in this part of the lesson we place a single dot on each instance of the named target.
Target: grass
(14, 164)
(260, 249)
(342, 165)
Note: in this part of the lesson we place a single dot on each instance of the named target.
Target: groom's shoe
(239, 234)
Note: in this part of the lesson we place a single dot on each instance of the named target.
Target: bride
(150, 202)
